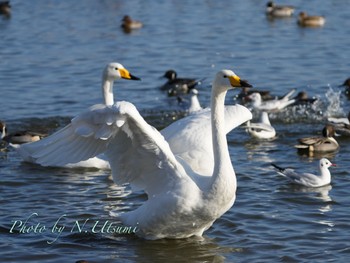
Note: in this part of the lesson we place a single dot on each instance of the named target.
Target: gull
(341, 125)
(182, 201)
(261, 129)
(271, 105)
(308, 179)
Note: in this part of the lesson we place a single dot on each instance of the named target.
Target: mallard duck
(177, 86)
(128, 24)
(310, 21)
(279, 10)
(5, 8)
(324, 143)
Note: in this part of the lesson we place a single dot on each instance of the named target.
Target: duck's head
(170, 74)
(116, 70)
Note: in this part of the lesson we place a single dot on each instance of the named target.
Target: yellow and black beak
(238, 82)
(125, 74)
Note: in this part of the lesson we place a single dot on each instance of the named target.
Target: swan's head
(324, 162)
(115, 71)
(227, 79)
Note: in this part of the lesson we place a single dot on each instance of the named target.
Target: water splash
(334, 103)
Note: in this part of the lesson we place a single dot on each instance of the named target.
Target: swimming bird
(271, 105)
(19, 137)
(177, 86)
(303, 99)
(181, 201)
(195, 105)
(326, 143)
(5, 8)
(310, 21)
(341, 125)
(261, 129)
(308, 179)
(113, 71)
(346, 84)
(128, 24)
(274, 10)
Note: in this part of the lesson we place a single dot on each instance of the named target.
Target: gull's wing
(260, 127)
(190, 138)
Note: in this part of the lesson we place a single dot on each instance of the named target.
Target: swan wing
(190, 137)
(140, 155)
(85, 137)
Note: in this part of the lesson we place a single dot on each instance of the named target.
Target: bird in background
(274, 105)
(278, 11)
(308, 179)
(128, 24)
(178, 86)
(305, 20)
(19, 137)
(324, 143)
(262, 129)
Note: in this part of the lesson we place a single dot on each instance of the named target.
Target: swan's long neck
(223, 179)
(107, 90)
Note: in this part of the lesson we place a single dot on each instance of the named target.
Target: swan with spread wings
(184, 199)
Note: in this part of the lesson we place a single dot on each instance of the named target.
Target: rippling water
(51, 57)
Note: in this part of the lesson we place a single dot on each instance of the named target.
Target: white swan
(261, 129)
(181, 201)
(113, 71)
(308, 179)
(192, 130)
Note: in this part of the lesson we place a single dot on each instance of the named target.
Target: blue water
(51, 57)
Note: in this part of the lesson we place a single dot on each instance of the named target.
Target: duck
(274, 105)
(182, 201)
(5, 8)
(326, 143)
(128, 24)
(346, 84)
(305, 20)
(19, 137)
(302, 98)
(274, 10)
(262, 129)
(308, 179)
(177, 86)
